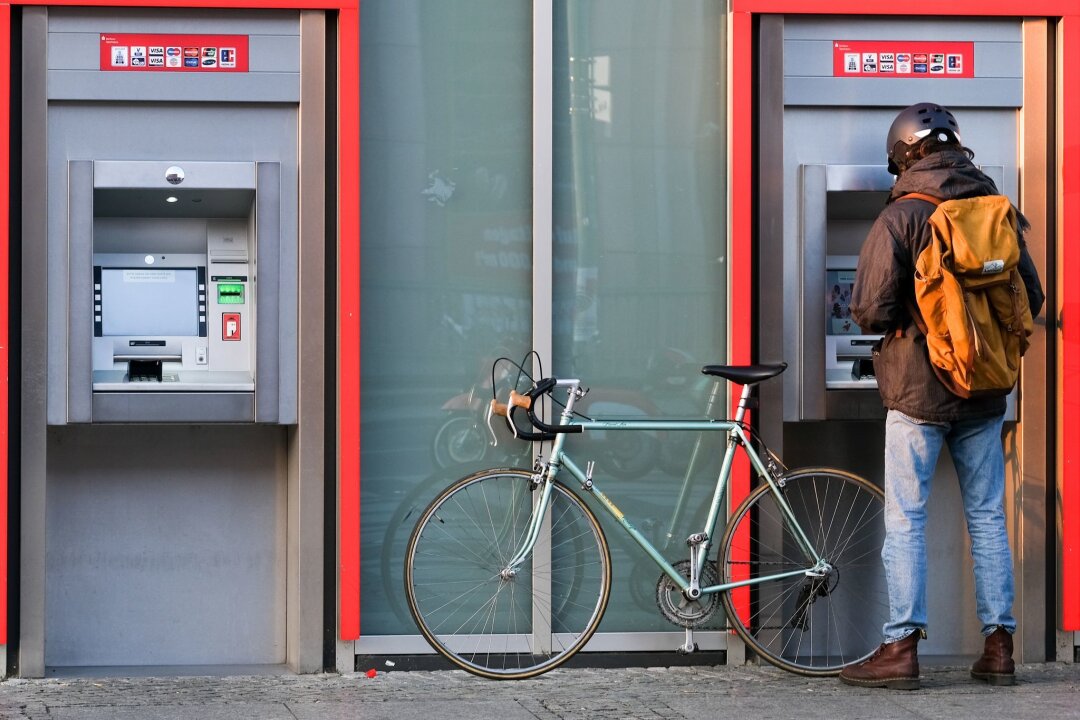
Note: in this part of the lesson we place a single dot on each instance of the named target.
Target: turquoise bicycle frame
(736, 437)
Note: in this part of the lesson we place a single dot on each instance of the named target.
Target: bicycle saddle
(745, 374)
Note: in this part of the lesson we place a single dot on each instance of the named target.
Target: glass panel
(640, 249)
(446, 258)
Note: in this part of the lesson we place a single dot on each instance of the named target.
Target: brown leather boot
(996, 665)
(894, 665)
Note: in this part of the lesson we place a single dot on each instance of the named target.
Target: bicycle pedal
(684, 650)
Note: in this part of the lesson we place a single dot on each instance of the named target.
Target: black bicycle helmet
(915, 123)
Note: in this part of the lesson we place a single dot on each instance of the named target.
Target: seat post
(744, 400)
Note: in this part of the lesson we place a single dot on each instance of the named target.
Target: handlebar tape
(545, 386)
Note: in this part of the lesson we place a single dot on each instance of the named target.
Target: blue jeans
(911, 453)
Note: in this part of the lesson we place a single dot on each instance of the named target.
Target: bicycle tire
(806, 625)
(481, 618)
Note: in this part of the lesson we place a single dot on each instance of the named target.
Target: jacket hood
(947, 175)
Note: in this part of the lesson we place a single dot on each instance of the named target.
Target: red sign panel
(902, 59)
(174, 53)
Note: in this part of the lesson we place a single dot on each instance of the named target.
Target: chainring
(679, 610)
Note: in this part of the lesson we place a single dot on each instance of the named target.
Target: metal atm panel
(838, 203)
(167, 322)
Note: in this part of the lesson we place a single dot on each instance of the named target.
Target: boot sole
(891, 683)
(995, 679)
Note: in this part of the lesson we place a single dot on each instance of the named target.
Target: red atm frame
(742, 128)
(348, 166)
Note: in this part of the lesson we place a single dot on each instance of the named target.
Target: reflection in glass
(639, 259)
(446, 259)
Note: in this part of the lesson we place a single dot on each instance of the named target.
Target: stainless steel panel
(811, 250)
(140, 174)
(33, 352)
(144, 87)
(894, 93)
(178, 407)
(79, 319)
(166, 545)
(268, 319)
(173, 20)
(854, 27)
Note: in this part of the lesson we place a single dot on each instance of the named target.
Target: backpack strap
(921, 196)
(912, 310)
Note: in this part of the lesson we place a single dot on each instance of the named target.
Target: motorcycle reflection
(464, 437)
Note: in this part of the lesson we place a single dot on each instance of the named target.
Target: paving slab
(742, 693)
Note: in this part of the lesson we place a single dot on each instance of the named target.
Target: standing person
(926, 155)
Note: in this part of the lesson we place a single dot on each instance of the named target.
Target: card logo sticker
(131, 52)
(119, 56)
(903, 59)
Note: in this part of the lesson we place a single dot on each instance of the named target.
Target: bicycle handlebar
(507, 411)
(543, 387)
(526, 401)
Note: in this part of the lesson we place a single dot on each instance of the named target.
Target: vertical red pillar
(741, 293)
(349, 325)
(1069, 472)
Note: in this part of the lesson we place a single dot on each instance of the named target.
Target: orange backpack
(972, 303)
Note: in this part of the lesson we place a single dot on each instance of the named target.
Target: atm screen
(838, 286)
(148, 301)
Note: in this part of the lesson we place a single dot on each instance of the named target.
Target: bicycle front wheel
(808, 623)
(485, 616)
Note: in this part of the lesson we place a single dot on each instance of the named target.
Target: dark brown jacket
(885, 289)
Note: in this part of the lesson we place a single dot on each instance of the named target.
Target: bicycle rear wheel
(492, 620)
(808, 625)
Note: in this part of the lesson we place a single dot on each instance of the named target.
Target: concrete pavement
(1043, 691)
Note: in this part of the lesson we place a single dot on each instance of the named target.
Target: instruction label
(173, 53)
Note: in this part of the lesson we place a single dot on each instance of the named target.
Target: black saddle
(745, 374)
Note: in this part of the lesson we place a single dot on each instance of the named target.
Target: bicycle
(508, 572)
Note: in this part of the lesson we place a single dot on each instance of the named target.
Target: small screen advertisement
(838, 287)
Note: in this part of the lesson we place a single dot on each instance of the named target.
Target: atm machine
(171, 458)
(829, 88)
(183, 329)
